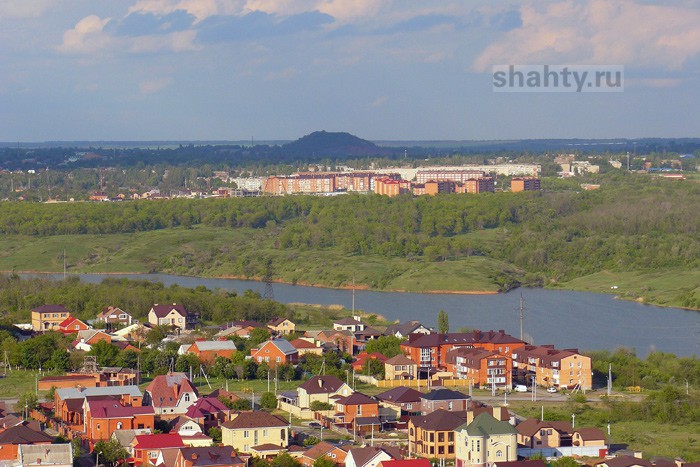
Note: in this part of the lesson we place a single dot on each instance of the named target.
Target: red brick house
(357, 412)
(72, 325)
(13, 437)
(207, 351)
(104, 416)
(170, 395)
(275, 352)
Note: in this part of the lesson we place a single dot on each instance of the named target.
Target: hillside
(324, 143)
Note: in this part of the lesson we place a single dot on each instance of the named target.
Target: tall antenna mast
(521, 315)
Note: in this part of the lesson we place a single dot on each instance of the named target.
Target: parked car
(314, 425)
(520, 388)
(551, 389)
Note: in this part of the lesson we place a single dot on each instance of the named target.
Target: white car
(551, 389)
(520, 388)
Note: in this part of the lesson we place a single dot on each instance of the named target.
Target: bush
(268, 401)
(318, 405)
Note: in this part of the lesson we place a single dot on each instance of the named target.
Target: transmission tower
(269, 274)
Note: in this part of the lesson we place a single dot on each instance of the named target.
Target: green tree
(50, 394)
(77, 448)
(324, 462)
(373, 367)
(110, 452)
(241, 404)
(106, 353)
(389, 346)
(311, 441)
(27, 401)
(268, 401)
(319, 405)
(566, 462)
(443, 322)
(284, 460)
(215, 434)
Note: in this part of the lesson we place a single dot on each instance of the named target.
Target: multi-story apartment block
(477, 185)
(391, 187)
(483, 367)
(300, 183)
(552, 367)
(455, 175)
(524, 184)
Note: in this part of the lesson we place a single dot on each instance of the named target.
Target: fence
(414, 383)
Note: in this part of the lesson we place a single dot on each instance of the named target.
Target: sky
(141, 70)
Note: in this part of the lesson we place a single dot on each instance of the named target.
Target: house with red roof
(72, 325)
(86, 338)
(275, 352)
(211, 456)
(170, 395)
(105, 415)
(305, 346)
(209, 412)
(147, 448)
(405, 463)
(362, 357)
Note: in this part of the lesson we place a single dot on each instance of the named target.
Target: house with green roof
(484, 441)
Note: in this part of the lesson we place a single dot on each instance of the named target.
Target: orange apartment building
(524, 184)
(433, 187)
(389, 186)
(477, 185)
(354, 181)
(483, 367)
(430, 350)
(552, 367)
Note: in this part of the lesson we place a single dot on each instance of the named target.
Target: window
(140, 426)
(499, 453)
(441, 449)
(279, 359)
(441, 437)
(246, 448)
(450, 449)
(478, 445)
(359, 410)
(411, 432)
(77, 326)
(259, 359)
(152, 454)
(187, 397)
(267, 350)
(246, 434)
(265, 433)
(451, 436)
(179, 320)
(409, 406)
(98, 426)
(543, 432)
(449, 406)
(119, 425)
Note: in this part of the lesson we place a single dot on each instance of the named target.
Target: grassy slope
(149, 251)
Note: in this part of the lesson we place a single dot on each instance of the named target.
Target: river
(567, 319)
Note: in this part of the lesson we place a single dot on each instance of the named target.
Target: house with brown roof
(624, 461)
(48, 317)
(173, 315)
(403, 330)
(588, 437)
(483, 367)
(249, 429)
(349, 324)
(357, 413)
(211, 456)
(400, 367)
(402, 401)
(433, 435)
(114, 317)
(14, 436)
(103, 416)
(324, 389)
(444, 399)
(170, 395)
(305, 346)
(275, 352)
(281, 326)
(208, 412)
(538, 434)
(323, 449)
(342, 340)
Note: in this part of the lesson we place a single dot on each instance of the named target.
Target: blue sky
(381, 69)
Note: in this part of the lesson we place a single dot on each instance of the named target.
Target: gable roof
(400, 394)
(439, 420)
(420, 462)
(278, 321)
(485, 424)
(22, 434)
(319, 450)
(348, 321)
(532, 425)
(362, 456)
(205, 406)
(590, 434)
(255, 419)
(158, 441)
(113, 409)
(444, 395)
(321, 385)
(211, 455)
(165, 390)
(125, 437)
(108, 310)
(303, 344)
(162, 311)
(70, 320)
(282, 345)
(214, 346)
(400, 359)
(464, 338)
(627, 461)
(403, 328)
(356, 398)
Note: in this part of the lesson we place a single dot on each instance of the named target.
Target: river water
(583, 320)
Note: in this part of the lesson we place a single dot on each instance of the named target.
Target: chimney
(470, 416)
(497, 413)
(320, 383)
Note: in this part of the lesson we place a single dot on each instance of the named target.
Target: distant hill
(333, 144)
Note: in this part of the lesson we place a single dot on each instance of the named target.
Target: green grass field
(18, 382)
(665, 288)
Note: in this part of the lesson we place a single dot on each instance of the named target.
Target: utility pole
(609, 380)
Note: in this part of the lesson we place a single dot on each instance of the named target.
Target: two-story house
(48, 317)
(147, 448)
(170, 395)
(173, 315)
(485, 440)
(402, 401)
(104, 417)
(322, 389)
(444, 399)
(433, 435)
(400, 367)
(247, 430)
(349, 324)
(72, 325)
(275, 352)
(281, 326)
(358, 413)
(537, 434)
(114, 317)
(211, 456)
(403, 330)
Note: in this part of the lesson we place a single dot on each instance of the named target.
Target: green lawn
(18, 382)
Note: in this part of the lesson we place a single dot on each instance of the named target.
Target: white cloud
(154, 85)
(624, 32)
(88, 36)
(200, 9)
